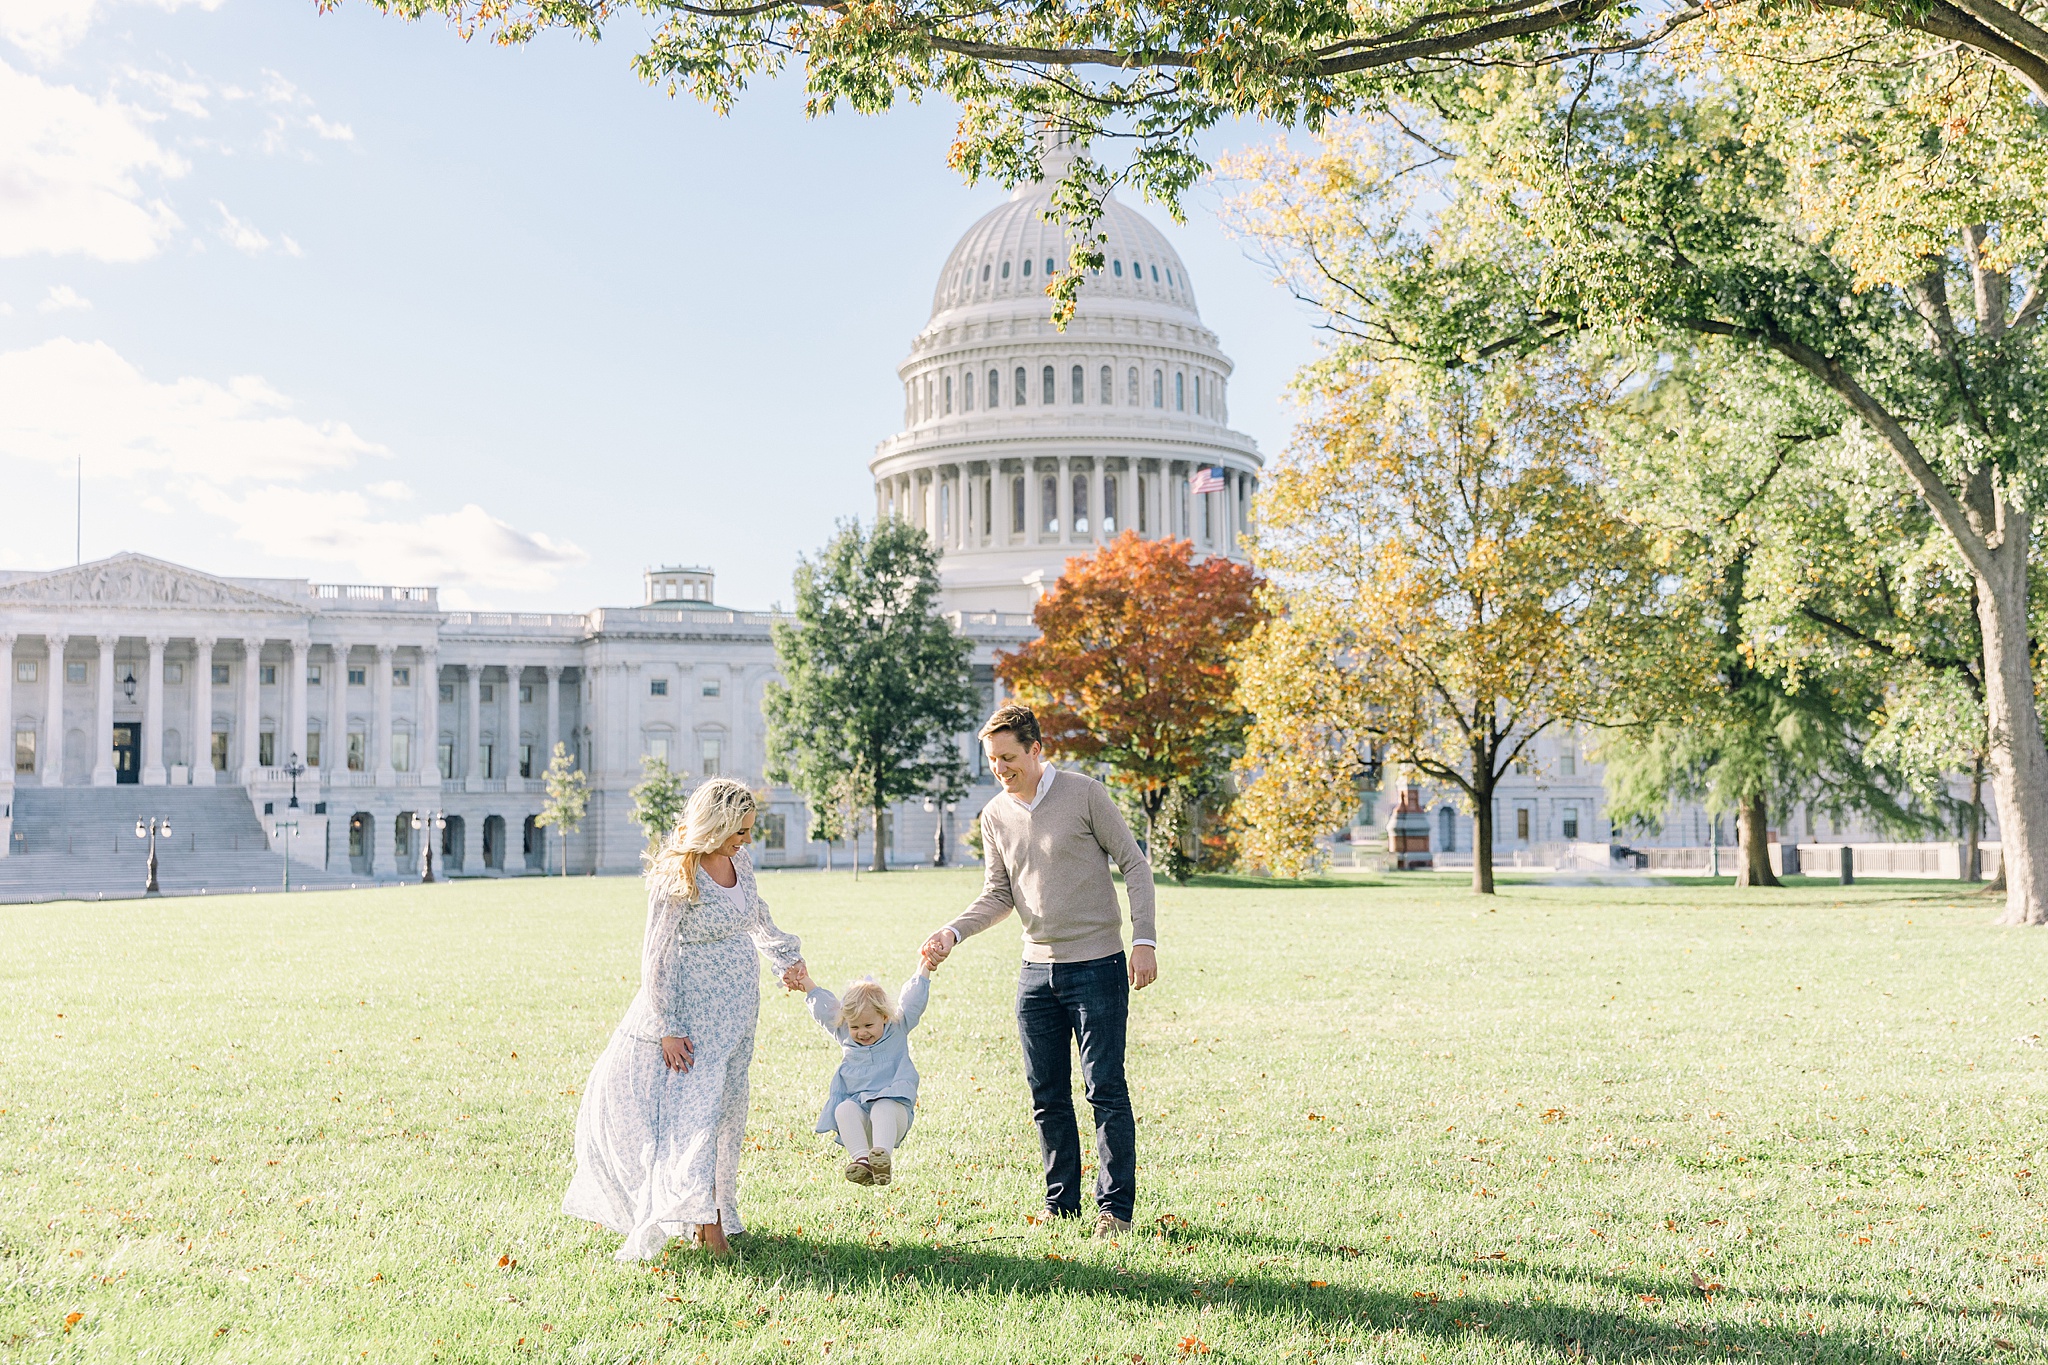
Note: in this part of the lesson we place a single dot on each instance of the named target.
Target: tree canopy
(1131, 669)
(875, 686)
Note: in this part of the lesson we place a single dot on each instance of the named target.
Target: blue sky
(338, 297)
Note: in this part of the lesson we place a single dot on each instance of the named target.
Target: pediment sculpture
(138, 581)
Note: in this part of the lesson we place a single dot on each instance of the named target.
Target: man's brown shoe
(1108, 1225)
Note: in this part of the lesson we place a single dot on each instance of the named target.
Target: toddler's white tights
(865, 1127)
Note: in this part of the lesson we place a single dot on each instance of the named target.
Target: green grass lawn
(1381, 1121)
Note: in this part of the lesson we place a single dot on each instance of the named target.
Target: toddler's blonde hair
(865, 994)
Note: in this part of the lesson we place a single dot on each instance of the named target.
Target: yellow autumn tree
(1444, 577)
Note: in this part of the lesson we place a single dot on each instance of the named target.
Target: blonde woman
(658, 1134)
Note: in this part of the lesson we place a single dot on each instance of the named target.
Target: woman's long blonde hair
(716, 811)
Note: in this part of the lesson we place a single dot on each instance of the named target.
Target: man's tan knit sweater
(1051, 865)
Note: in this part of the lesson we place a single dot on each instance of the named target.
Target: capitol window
(949, 393)
(984, 273)
(1180, 392)
(401, 677)
(1133, 377)
(1049, 267)
(967, 392)
(1198, 395)
(1144, 509)
(995, 387)
(1027, 267)
(1158, 388)
(1137, 270)
(1108, 385)
(1109, 504)
(1006, 270)
(1020, 387)
(1045, 385)
(1080, 385)
(1049, 503)
(1118, 267)
(1155, 274)
(25, 670)
(710, 688)
(1080, 504)
(220, 675)
(74, 673)
(1017, 505)
(24, 751)
(657, 687)
(268, 679)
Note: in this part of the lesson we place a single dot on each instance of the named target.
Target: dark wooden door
(127, 747)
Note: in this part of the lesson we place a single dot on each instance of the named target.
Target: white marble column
(52, 757)
(334, 740)
(300, 724)
(251, 724)
(1034, 495)
(380, 741)
(7, 710)
(153, 774)
(103, 718)
(473, 729)
(513, 782)
(1064, 500)
(1098, 510)
(636, 689)
(554, 716)
(199, 752)
(426, 719)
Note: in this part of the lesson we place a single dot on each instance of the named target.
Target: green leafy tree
(568, 798)
(658, 800)
(876, 690)
(1780, 199)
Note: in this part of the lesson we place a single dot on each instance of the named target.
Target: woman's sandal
(859, 1172)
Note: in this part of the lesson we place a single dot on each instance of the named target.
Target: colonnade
(976, 504)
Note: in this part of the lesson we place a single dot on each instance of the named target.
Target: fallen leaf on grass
(1648, 1299)
(1555, 1115)
(1705, 1286)
(1318, 1284)
(1424, 1296)
(2002, 1344)
(1491, 1256)
(72, 1320)
(506, 1262)
(1192, 1345)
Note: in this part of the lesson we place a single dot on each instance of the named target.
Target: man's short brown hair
(1018, 720)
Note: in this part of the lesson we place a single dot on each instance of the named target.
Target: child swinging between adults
(1048, 842)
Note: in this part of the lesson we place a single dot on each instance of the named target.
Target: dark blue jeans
(1059, 1004)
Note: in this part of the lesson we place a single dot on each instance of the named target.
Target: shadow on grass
(1238, 881)
(1648, 1317)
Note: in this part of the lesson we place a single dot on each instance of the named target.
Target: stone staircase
(78, 843)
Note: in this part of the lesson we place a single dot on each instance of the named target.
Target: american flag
(1208, 480)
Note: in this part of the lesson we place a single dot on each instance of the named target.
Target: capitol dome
(1024, 445)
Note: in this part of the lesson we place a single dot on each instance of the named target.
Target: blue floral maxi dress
(658, 1151)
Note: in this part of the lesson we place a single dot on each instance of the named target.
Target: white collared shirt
(1045, 778)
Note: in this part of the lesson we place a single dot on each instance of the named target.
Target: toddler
(874, 1091)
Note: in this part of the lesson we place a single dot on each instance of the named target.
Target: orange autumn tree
(1131, 669)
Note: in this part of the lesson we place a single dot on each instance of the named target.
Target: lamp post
(285, 829)
(942, 808)
(292, 770)
(432, 821)
(149, 829)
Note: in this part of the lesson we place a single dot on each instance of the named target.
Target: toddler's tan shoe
(859, 1172)
(879, 1163)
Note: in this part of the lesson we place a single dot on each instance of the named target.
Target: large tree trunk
(1482, 845)
(1751, 831)
(2018, 759)
(881, 859)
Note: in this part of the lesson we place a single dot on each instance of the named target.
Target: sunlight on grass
(1378, 1123)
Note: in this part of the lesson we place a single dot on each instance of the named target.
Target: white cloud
(62, 298)
(47, 29)
(65, 398)
(241, 236)
(333, 132)
(69, 174)
(469, 547)
(236, 452)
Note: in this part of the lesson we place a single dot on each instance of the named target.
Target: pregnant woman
(658, 1134)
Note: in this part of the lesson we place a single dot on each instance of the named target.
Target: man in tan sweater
(1047, 843)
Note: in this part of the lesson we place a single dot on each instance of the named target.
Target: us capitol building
(1021, 446)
